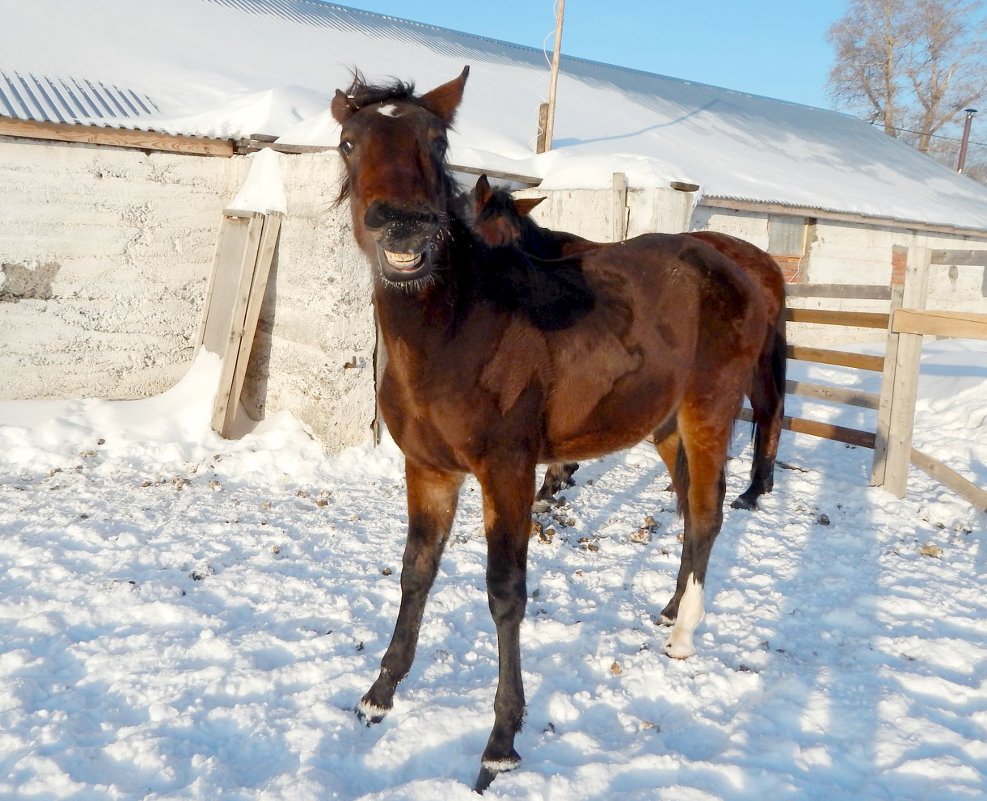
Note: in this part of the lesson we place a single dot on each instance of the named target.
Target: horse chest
(460, 405)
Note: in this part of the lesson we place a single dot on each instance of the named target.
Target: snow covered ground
(183, 617)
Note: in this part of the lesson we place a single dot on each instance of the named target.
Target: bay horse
(500, 219)
(498, 361)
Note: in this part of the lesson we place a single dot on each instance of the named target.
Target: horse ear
(524, 205)
(444, 100)
(482, 191)
(342, 107)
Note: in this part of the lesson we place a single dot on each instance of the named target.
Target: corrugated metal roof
(46, 98)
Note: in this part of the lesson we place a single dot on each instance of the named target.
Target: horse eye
(441, 146)
(345, 148)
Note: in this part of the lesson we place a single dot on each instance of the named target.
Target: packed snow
(186, 617)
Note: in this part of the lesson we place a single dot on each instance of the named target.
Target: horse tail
(768, 406)
(680, 480)
(779, 358)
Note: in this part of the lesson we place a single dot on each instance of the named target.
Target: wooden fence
(906, 321)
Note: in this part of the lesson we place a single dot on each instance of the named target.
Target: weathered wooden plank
(883, 426)
(799, 425)
(950, 478)
(905, 384)
(841, 291)
(851, 319)
(861, 361)
(618, 208)
(824, 392)
(226, 303)
(115, 137)
(961, 258)
(258, 286)
(530, 180)
(940, 323)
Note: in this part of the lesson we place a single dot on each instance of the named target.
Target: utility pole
(961, 163)
(546, 112)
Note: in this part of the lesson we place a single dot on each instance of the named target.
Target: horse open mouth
(403, 262)
(402, 266)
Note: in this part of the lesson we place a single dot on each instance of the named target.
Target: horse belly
(584, 422)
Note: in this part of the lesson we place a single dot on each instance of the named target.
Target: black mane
(362, 94)
(552, 294)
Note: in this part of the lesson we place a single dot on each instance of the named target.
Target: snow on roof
(233, 68)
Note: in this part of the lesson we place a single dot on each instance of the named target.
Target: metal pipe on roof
(961, 162)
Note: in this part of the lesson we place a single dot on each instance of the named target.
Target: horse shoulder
(520, 358)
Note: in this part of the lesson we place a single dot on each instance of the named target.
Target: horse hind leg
(701, 486)
(768, 405)
(432, 499)
(558, 476)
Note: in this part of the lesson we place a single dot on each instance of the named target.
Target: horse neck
(548, 244)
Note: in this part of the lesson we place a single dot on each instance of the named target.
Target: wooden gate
(906, 321)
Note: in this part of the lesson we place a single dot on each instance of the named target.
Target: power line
(932, 136)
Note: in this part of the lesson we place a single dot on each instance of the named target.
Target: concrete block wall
(104, 258)
(590, 212)
(105, 255)
(314, 349)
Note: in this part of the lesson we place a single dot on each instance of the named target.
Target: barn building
(125, 133)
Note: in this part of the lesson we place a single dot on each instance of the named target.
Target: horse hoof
(750, 504)
(679, 650)
(541, 506)
(489, 768)
(368, 714)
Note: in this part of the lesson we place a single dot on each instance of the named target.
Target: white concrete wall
(105, 256)
(847, 253)
(317, 315)
(590, 212)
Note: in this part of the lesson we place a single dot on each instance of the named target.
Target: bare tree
(912, 65)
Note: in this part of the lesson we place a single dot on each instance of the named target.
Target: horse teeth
(402, 260)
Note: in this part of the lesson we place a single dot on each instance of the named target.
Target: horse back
(669, 313)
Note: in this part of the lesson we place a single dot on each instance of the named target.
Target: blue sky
(775, 48)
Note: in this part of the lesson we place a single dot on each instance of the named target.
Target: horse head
(393, 144)
(499, 219)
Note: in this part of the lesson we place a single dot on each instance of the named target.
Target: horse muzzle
(403, 239)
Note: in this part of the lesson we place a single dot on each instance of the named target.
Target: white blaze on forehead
(390, 110)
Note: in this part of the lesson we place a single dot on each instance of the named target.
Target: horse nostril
(376, 216)
(399, 222)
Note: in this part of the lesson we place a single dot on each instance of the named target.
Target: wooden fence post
(879, 465)
(619, 207)
(905, 380)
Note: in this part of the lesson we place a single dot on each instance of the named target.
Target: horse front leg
(432, 498)
(507, 496)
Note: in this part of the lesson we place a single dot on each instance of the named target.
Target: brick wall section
(790, 268)
(899, 262)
